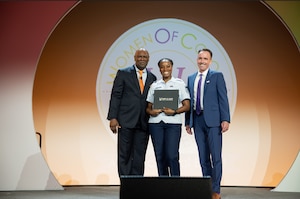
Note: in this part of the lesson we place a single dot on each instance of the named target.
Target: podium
(165, 187)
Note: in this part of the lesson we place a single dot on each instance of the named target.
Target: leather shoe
(216, 196)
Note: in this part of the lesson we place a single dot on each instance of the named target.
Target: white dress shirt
(204, 74)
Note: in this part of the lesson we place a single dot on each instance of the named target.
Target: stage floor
(112, 192)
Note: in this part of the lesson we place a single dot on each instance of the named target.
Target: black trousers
(132, 146)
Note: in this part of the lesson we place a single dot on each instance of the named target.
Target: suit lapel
(134, 78)
(192, 85)
(148, 81)
(207, 80)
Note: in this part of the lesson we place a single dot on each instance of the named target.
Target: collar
(204, 73)
(137, 70)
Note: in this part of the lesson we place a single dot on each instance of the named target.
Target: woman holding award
(167, 99)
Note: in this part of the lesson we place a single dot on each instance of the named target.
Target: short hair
(141, 49)
(165, 59)
(207, 50)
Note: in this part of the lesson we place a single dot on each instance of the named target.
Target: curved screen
(256, 53)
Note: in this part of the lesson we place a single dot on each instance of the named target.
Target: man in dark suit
(209, 117)
(127, 114)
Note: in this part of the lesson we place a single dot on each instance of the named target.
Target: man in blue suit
(127, 114)
(209, 117)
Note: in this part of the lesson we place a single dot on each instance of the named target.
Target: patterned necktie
(141, 81)
(198, 104)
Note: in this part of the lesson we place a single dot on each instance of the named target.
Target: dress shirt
(144, 76)
(204, 74)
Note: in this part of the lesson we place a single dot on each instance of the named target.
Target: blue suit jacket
(127, 104)
(215, 100)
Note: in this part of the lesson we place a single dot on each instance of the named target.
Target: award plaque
(166, 99)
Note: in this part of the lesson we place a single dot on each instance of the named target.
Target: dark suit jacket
(215, 100)
(127, 104)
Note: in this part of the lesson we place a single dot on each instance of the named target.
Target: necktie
(141, 81)
(198, 104)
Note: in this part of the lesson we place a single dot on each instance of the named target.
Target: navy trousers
(209, 143)
(166, 139)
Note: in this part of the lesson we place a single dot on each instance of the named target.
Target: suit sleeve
(188, 113)
(223, 99)
(116, 96)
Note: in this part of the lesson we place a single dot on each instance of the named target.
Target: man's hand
(114, 125)
(188, 129)
(224, 126)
